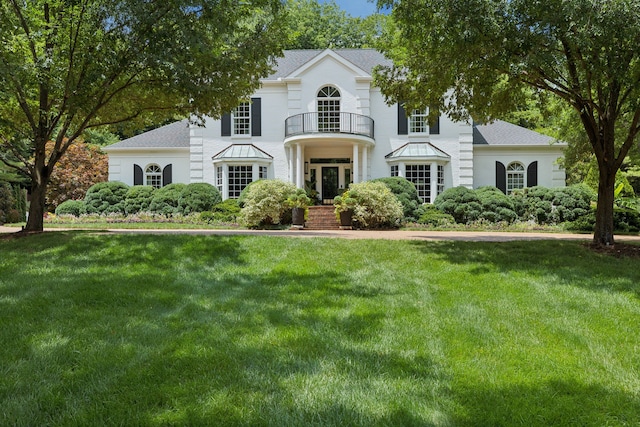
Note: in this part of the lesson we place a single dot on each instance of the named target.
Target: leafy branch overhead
(66, 66)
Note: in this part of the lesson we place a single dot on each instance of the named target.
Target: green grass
(212, 330)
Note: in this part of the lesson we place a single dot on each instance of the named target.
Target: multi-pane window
(329, 109)
(262, 172)
(153, 175)
(418, 121)
(241, 119)
(440, 179)
(239, 178)
(515, 176)
(395, 170)
(420, 175)
(219, 172)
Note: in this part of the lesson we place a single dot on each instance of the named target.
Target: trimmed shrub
(433, 217)
(226, 212)
(166, 200)
(407, 194)
(572, 202)
(138, 199)
(625, 220)
(461, 203)
(553, 205)
(72, 207)
(243, 194)
(376, 206)
(199, 197)
(265, 203)
(106, 197)
(496, 206)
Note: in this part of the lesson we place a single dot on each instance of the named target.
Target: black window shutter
(532, 174)
(138, 176)
(226, 125)
(166, 175)
(434, 126)
(256, 116)
(403, 125)
(501, 177)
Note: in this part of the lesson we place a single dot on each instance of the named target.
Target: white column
(255, 172)
(356, 164)
(365, 166)
(299, 167)
(225, 181)
(291, 165)
(434, 181)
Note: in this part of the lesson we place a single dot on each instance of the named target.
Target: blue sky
(356, 7)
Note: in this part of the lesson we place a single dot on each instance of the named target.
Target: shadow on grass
(545, 404)
(571, 263)
(197, 330)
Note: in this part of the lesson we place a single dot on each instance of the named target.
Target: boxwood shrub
(138, 199)
(461, 203)
(72, 207)
(223, 212)
(106, 197)
(199, 197)
(166, 200)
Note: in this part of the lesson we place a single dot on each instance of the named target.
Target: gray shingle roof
(174, 135)
(504, 133)
(365, 59)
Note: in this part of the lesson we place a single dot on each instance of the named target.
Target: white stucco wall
(121, 163)
(550, 174)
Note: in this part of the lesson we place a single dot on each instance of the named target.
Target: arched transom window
(329, 109)
(153, 176)
(515, 176)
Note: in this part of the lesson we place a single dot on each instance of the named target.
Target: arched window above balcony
(328, 109)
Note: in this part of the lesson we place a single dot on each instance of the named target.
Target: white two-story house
(319, 121)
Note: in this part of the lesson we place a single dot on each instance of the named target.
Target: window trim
(515, 178)
(153, 178)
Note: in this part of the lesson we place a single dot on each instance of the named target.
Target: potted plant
(344, 205)
(298, 203)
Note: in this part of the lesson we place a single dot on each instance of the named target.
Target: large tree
(70, 65)
(478, 57)
(315, 25)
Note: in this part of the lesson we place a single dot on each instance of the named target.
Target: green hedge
(106, 197)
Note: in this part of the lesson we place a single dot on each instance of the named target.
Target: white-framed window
(418, 121)
(219, 173)
(440, 179)
(241, 119)
(328, 103)
(395, 170)
(420, 175)
(515, 176)
(153, 176)
(239, 177)
(262, 172)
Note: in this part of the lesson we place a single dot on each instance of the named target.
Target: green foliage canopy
(478, 58)
(67, 66)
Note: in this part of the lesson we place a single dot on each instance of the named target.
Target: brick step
(321, 218)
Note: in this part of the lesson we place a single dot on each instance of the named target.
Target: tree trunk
(35, 223)
(603, 233)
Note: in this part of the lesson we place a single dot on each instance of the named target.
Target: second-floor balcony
(329, 122)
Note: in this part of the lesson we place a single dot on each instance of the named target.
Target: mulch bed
(618, 250)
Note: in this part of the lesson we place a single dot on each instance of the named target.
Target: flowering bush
(265, 203)
(376, 206)
(407, 194)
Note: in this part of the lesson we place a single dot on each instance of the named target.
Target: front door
(329, 183)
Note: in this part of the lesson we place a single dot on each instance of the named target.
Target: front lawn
(243, 330)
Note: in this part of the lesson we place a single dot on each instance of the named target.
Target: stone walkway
(470, 236)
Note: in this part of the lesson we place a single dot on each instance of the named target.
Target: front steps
(321, 218)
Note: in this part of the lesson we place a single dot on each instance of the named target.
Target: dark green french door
(329, 182)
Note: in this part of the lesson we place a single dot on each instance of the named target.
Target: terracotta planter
(297, 216)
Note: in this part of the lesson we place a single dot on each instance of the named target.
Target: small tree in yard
(81, 166)
(480, 57)
(68, 66)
